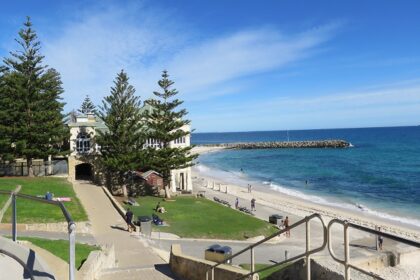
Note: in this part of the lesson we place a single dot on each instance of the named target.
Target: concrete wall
(191, 268)
(176, 179)
(96, 262)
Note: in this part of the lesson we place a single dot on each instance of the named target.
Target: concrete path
(135, 259)
(81, 237)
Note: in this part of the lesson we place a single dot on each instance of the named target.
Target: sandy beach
(299, 207)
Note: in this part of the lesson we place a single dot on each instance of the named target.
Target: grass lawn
(60, 248)
(29, 211)
(263, 275)
(3, 197)
(202, 218)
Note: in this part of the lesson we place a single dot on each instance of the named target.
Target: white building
(82, 134)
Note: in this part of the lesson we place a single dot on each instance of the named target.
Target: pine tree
(6, 122)
(87, 106)
(164, 124)
(36, 128)
(121, 144)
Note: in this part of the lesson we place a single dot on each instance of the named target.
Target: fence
(40, 168)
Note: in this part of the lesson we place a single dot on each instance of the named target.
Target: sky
(239, 65)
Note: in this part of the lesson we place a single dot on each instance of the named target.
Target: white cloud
(92, 49)
(395, 104)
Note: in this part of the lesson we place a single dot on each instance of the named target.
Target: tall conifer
(164, 122)
(122, 143)
(87, 106)
(34, 92)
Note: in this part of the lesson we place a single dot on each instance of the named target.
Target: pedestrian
(236, 203)
(128, 219)
(250, 188)
(286, 225)
(380, 240)
(253, 204)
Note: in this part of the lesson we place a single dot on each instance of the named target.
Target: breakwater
(284, 144)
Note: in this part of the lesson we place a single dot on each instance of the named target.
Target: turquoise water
(381, 172)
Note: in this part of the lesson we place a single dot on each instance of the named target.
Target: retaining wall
(191, 268)
(96, 262)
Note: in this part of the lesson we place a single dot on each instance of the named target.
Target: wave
(352, 207)
(242, 179)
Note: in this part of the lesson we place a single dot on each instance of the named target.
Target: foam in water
(240, 178)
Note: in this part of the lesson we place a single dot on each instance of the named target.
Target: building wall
(88, 126)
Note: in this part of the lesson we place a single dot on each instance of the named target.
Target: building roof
(146, 174)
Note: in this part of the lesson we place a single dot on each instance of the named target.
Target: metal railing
(66, 214)
(346, 261)
(307, 254)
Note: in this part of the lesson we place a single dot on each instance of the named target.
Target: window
(83, 143)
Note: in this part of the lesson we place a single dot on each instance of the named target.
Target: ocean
(379, 175)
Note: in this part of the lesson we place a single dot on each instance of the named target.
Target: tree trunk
(125, 192)
(167, 191)
(30, 167)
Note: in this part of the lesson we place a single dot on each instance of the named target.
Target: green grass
(3, 197)
(60, 248)
(201, 218)
(29, 211)
(263, 275)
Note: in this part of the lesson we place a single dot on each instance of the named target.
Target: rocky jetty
(285, 144)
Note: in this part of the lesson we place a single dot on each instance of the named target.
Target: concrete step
(157, 272)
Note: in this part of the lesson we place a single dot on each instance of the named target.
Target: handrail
(252, 246)
(346, 261)
(66, 214)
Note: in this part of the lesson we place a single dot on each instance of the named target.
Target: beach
(295, 206)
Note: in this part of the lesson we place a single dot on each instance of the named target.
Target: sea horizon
(305, 129)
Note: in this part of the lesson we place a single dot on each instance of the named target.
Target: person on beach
(236, 203)
(250, 188)
(286, 225)
(380, 240)
(128, 219)
(253, 204)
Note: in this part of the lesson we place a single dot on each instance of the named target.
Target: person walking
(380, 240)
(250, 188)
(236, 203)
(128, 219)
(286, 225)
(253, 204)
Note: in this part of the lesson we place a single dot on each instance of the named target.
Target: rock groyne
(285, 144)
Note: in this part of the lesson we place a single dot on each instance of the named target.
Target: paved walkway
(135, 259)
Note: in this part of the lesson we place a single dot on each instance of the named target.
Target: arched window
(83, 143)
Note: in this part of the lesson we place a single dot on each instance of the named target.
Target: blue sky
(239, 65)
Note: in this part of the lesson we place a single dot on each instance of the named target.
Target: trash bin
(145, 225)
(275, 219)
(218, 253)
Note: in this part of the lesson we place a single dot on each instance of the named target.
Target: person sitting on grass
(157, 207)
(128, 219)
